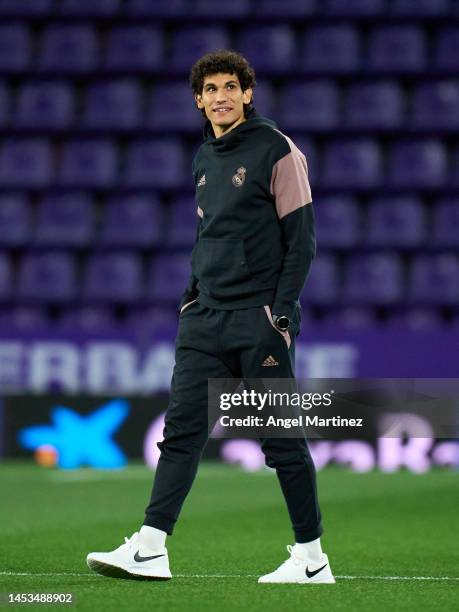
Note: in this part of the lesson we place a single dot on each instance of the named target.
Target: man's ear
(247, 95)
(198, 100)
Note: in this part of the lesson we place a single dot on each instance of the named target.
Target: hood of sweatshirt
(254, 121)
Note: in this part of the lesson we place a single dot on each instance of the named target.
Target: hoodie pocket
(221, 267)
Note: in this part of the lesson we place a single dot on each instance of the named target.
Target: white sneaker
(297, 570)
(131, 560)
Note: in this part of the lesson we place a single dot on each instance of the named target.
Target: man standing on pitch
(239, 315)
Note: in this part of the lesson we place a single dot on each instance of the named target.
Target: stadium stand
(99, 127)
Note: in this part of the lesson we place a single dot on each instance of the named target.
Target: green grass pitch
(233, 528)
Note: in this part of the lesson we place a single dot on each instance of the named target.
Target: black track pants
(227, 344)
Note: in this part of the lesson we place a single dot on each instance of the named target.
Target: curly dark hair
(226, 62)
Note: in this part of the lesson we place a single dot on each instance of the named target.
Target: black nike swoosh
(139, 559)
(311, 574)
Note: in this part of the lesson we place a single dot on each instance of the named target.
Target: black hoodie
(255, 240)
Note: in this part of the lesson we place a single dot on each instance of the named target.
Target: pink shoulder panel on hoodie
(289, 181)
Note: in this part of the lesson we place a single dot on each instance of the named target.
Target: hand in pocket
(285, 334)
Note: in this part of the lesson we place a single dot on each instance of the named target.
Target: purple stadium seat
(332, 47)
(351, 318)
(88, 163)
(446, 222)
(134, 48)
(397, 48)
(396, 222)
(89, 7)
(155, 163)
(189, 44)
(69, 48)
(420, 319)
(355, 7)
(114, 104)
(455, 167)
(24, 318)
(322, 284)
(419, 7)
(354, 163)
(311, 105)
(447, 48)
(151, 320)
(158, 8)
(418, 164)
(374, 279)
(132, 221)
(209, 8)
(87, 318)
(45, 105)
(14, 47)
(374, 105)
(25, 163)
(307, 317)
(65, 220)
(172, 100)
(113, 277)
(182, 222)
(435, 279)
(337, 221)
(5, 105)
(264, 99)
(6, 277)
(25, 7)
(290, 8)
(268, 47)
(436, 105)
(47, 277)
(307, 147)
(15, 220)
(168, 276)
(417, 320)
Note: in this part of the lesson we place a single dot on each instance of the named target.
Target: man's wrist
(281, 322)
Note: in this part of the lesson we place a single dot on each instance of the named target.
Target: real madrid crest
(239, 178)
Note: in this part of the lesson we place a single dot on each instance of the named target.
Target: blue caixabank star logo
(81, 440)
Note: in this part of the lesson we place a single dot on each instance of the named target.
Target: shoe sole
(112, 571)
(328, 581)
(303, 582)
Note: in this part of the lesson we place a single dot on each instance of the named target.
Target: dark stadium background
(97, 215)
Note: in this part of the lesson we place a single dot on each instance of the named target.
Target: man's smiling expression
(223, 101)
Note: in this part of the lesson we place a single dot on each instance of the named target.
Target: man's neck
(221, 130)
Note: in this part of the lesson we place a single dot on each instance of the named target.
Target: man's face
(223, 101)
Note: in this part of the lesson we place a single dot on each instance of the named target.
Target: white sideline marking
(92, 575)
(398, 577)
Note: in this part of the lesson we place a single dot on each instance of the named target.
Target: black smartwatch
(281, 322)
